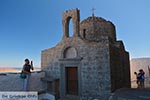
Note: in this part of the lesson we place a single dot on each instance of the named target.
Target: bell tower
(66, 17)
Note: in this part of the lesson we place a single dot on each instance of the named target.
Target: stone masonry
(101, 61)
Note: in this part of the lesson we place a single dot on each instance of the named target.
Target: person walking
(27, 67)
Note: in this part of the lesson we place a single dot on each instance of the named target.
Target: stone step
(46, 96)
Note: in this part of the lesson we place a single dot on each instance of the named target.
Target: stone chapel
(91, 62)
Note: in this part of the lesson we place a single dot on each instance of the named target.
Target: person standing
(142, 78)
(27, 67)
(137, 79)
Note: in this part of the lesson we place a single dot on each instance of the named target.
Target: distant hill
(14, 70)
(7, 69)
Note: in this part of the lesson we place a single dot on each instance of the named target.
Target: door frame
(75, 62)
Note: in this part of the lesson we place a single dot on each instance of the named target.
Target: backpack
(23, 75)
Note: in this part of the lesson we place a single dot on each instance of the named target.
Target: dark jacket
(27, 68)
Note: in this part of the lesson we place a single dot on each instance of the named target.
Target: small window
(84, 33)
(70, 27)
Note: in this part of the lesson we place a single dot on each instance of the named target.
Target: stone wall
(94, 66)
(13, 82)
(137, 64)
(120, 66)
(104, 66)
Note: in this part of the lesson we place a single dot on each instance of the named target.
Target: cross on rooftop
(93, 11)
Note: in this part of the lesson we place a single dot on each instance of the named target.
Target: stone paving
(121, 94)
(131, 94)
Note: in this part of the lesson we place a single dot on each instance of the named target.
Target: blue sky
(29, 26)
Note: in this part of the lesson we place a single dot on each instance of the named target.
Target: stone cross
(93, 11)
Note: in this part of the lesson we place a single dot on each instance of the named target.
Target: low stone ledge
(3, 74)
(13, 82)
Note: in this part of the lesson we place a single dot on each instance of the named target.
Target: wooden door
(72, 80)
